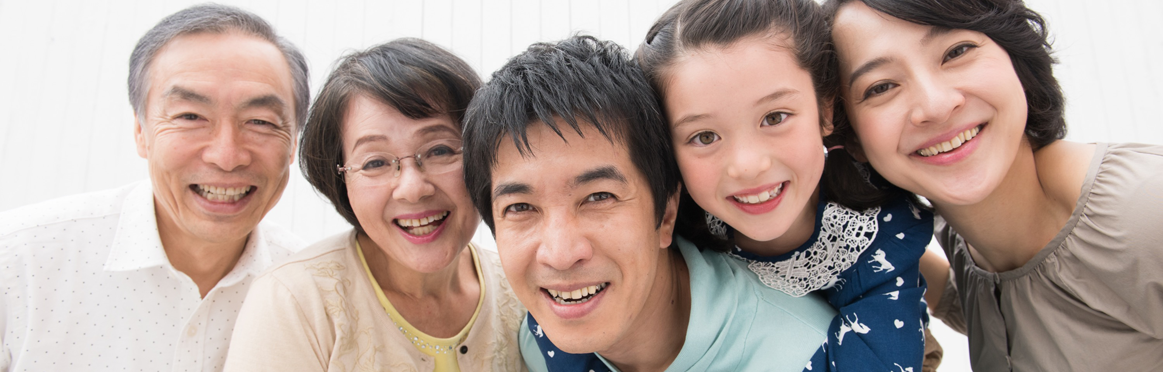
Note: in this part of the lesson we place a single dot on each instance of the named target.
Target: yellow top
(442, 350)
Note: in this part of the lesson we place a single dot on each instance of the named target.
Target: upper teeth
(951, 144)
(760, 197)
(576, 294)
(215, 193)
(421, 221)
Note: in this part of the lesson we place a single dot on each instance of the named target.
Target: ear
(666, 229)
(139, 137)
(826, 126)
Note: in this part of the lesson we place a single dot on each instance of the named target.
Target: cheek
(699, 176)
(368, 204)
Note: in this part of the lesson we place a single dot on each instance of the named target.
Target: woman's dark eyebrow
(867, 67)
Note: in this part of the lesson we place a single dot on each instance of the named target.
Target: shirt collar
(137, 243)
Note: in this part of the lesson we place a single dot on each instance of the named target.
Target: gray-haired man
(150, 276)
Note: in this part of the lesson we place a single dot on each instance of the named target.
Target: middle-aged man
(568, 159)
(150, 276)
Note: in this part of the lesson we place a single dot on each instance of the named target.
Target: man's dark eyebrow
(186, 95)
(602, 173)
(511, 188)
(865, 68)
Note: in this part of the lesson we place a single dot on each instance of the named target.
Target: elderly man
(150, 276)
(569, 161)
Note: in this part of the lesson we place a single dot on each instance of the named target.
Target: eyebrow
(688, 119)
(436, 128)
(186, 95)
(775, 95)
(511, 188)
(369, 138)
(866, 68)
(602, 173)
(934, 32)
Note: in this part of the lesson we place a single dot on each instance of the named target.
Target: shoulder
(328, 259)
(280, 240)
(775, 312)
(93, 205)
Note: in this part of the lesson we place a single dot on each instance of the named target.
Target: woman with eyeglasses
(404, 289)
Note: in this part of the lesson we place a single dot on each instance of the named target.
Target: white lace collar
(844, 234)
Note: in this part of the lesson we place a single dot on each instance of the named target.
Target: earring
(717, 227)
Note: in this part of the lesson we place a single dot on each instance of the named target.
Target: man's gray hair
(213, 18)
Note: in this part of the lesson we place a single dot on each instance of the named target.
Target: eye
(774, 118)
(599, 196)
(704, 138)
(262, 122)
(957, 51)
(439, 151)
(374, 163)
(188, 116)
(877, 89)
(518, 208)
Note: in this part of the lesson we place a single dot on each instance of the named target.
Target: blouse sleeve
(273, 333)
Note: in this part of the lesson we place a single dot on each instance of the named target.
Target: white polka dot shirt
(86, 286)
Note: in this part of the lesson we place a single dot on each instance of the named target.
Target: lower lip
(763, 207)
(223, 207)
(954, 156)
(575, 311)
(431, 237)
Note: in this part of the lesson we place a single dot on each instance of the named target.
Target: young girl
(747, 86)
(1054, 245)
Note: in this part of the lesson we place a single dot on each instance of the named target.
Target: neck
(400, 279)
(657, 339)
(1023, 213)
(204, 262)
(796, 235)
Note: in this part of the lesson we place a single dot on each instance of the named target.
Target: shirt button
(192, 331)
(463, 349)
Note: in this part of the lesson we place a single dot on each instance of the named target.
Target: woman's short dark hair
(1020, 31)
(694, 24)
(414, 76)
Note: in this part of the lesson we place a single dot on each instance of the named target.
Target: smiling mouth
(761, 197)
(951, 144)
(222, 194)
(422, 226)
(577, 296)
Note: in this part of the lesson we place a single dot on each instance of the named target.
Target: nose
(412, 185)
(936, 100)
(747, 159)
(562, 246)
(227, 149)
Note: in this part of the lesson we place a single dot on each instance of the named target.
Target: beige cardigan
(319, 312)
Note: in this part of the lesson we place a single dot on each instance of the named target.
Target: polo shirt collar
(137, 243)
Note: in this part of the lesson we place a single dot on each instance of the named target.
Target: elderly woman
(404, 289)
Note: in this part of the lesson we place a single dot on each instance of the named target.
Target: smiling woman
(403, 289)
(1052, 243)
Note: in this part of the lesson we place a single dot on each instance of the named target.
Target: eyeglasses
(434, 158)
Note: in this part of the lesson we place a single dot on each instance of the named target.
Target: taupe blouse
(1092, 299)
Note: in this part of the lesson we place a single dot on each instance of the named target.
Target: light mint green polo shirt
(736, 322)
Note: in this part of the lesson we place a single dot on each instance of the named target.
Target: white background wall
(66, 126)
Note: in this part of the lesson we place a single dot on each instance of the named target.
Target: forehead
(860, 30)
(712, 78)
(369, 120)
(553, 162)
(225, 66)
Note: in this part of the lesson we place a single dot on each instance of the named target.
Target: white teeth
(951, 144)
(222, 194)
(577, 296)
(761, 197)
(421, 221)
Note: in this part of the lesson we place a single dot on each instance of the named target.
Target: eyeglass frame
(398, 162)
